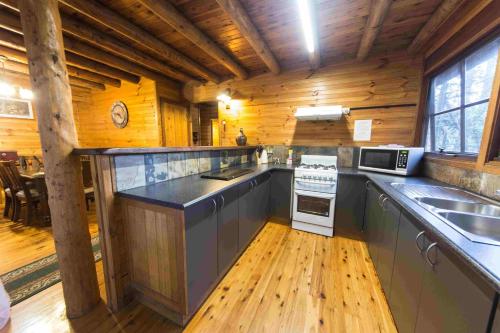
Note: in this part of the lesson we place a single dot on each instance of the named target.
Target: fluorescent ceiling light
(25, 93)
(307, 27)
(6, 89)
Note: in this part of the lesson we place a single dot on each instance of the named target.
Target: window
(458, 102)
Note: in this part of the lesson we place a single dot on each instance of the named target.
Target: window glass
(478, 73)
(447, 90)
(458, 102)
(448, 131)
(474, 124)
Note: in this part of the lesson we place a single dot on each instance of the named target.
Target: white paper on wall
(362, 130)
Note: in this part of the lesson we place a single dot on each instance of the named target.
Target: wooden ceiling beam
(12, 22)
(240, 18)
(378, 12)
(20, 56)
(444, 11)
(170, 15)
(22, 68)
(126, 28)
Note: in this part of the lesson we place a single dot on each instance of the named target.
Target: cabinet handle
(223, 201)
(383, 202)
(215, 206)
(367, 184)
(379, 199)
(252, 185)
(255, 180)
(420, 234)
(429, 261)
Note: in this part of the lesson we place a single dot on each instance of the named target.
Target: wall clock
(119, 114)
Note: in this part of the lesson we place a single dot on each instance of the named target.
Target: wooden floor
(286, 281)
(21, 244)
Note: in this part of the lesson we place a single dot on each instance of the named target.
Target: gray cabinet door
(351, 195)
(373, 215)
(280, 197)
(407, 275)
(388, 235)
(451, 299)
(496, 322)
(227, 221)
(247, 214)
(261, 197)
(201, 249)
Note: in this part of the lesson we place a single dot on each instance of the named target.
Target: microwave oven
(397, 160)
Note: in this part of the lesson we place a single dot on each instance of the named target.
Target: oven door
(314, 207)
(378, 159)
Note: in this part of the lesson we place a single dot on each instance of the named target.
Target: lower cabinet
(452, 299)
(280, 197)
(372, 220)
(227, 228)
(430, 291)
(407, 275)
(201, 250)
(351, 195)
(496, 322)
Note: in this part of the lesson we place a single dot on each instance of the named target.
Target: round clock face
(119, 114)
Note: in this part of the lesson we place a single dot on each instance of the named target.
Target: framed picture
(15, 108)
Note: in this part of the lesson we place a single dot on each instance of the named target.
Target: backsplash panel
(146, 169)
(483, 183)
(347, 156)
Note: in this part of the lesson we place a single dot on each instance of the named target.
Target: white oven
(316, 208)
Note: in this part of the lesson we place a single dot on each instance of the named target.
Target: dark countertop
(183, 192)
(482, 258)
(152, 150)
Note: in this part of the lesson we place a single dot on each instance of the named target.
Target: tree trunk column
(49, 80)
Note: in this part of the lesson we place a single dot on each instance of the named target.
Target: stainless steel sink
(461, 206)
(475, 217)
(485, 229)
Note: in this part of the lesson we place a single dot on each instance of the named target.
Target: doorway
(175, 124)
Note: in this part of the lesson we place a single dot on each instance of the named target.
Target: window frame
(430, 115)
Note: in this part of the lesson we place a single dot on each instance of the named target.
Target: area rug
(31, 279)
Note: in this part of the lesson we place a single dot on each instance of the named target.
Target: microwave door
(379, 159)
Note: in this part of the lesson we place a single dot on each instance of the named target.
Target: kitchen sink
(485, 229)
(461, 206)
(475, 217)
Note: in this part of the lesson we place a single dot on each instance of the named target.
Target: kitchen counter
(184, 192)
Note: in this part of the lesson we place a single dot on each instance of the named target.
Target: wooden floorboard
(286, 281)
(21, 244)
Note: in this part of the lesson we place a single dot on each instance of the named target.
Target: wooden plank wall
(268, 103)
(22, 134)
(94, 125)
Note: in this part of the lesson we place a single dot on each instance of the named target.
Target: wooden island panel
(155, 238)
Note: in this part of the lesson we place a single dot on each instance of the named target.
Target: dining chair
(22, 193)
(4, 180)
(88, 186)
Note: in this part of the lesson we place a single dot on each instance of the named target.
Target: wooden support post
(49, 80)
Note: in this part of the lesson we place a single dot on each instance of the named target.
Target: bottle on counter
(289, 160)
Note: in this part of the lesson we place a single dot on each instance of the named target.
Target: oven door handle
(315, 194)
(315, 183)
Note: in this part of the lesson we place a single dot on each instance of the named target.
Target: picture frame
(15, 108)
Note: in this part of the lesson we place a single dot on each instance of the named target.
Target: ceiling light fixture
(307, 24)
(6, 89)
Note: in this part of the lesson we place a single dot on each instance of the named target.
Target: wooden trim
(170, 15)
(492, 167)
(491, 123)
(421, 111)
(462, 162)
(111, 233)
(457, 25)
(444, 11)
(378, 12)
(243, 22)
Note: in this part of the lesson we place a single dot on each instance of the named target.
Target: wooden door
(215, 132)
(175, 123)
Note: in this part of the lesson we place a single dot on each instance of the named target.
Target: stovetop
(317, 165)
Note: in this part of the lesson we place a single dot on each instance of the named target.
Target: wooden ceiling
(204, 40)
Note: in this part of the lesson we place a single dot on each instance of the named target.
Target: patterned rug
(31, 279)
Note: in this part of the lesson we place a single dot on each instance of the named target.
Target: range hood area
(328, 112)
